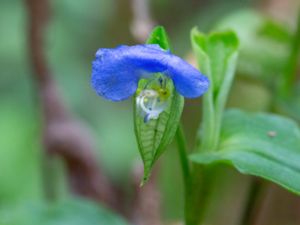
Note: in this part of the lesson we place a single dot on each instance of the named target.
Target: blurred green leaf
(154, 136)
(263, 145)
(216, 54)
(290, 106)
(249, 95)
(263, 43)
(274, 31)
(68, 212)
(19, 154)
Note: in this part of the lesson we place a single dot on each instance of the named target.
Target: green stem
(208, 122)
(195, 200)
(198, 196)
(289, 76)
(182, 150)
(189, 193)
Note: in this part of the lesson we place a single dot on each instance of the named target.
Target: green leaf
(154, 136)
(160, 37)
(20, 152)
(216, 55)
(290, 106)
(261, 144)
(264, 43)
(75, 212)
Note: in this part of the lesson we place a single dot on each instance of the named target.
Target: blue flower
(116, 72)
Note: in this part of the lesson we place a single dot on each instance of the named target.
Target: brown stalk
(63, 135)
(146, 208)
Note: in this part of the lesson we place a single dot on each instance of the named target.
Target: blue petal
(116, 72)
(188, 81)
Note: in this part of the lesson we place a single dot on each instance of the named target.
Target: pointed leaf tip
(159, 36)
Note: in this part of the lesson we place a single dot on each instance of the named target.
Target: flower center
(152, 100)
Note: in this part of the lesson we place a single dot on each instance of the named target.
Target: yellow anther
(164, 94)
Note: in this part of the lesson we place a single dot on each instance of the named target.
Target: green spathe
(154, 136)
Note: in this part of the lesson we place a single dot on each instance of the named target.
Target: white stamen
(148, 101)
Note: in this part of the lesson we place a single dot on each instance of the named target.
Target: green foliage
(264, 43)
(19, 154)
(290, 106)
(160, 37)
(264, 51)
(75, 212)
(261, 144)
(289, 77)
(216, 55)
(154, 137)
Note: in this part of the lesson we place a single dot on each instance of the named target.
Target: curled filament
(150, 104)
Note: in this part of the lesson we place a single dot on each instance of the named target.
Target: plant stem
(208, 122)
(182, 150)
(191, 179)
(185, 167)
(253, 201)
(289, 75)
(198, 194)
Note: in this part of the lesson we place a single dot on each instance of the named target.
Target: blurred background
(75, 30)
